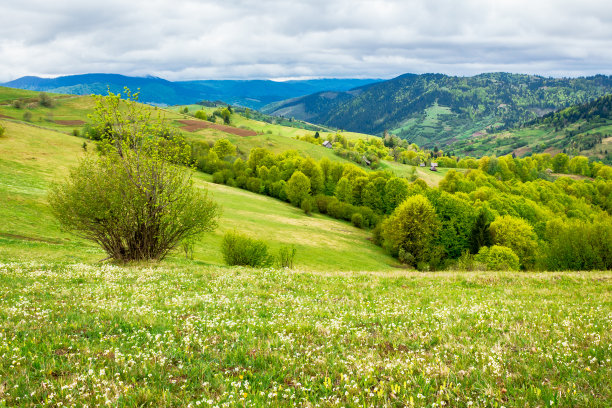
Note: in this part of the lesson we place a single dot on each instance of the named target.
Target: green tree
(135, 199)
(396, 191)
(343, 191)
(516, 234)
(224, 148)
(201, 115)
(480, 235)
(411, 229)
(298, 188)
(498, 258)
(313, 171)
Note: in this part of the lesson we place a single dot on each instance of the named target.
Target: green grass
(31, 158)
(75, 334)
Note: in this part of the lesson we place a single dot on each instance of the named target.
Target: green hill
(584, 129)
(436, 109)
(34, 154)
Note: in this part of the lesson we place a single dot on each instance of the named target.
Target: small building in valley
(328, 144)
(434, 166)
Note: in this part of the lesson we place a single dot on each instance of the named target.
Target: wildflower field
(81, 335)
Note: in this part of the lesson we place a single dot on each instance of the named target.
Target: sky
(270, 39)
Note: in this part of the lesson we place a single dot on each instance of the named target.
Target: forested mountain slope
(433, 109)
(584, 129)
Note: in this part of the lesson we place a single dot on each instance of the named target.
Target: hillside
(32, 155)
(584, 129)
(251, 93)
(435, 109)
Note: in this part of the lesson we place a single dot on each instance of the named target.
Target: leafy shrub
(498, 258)
(27, 116)
(322, 201)
(516, 234)
(17, 104)
(286, 255)
(254, 184)
(308, 205)
(578, 245)
(2, 130)
(357, 220)
(100, 200)
(239, 249)
(45, 100)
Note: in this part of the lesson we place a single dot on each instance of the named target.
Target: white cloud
(333, 38)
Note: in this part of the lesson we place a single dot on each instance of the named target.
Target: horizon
(290, 79)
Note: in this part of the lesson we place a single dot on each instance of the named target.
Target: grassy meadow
(345, 328)
(86, 335)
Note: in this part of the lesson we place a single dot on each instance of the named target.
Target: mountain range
(248, 93)
(436, 109)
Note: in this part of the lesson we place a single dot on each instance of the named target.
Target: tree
(396, 191)
(343, 191)
(135, 198)
(516, 234)
(223, 148)
(411, 229)
(480, 235)
(298, 188)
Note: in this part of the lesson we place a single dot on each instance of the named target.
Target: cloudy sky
(230, 39)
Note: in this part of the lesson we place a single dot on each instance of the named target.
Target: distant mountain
(252, 94)
(436, 109)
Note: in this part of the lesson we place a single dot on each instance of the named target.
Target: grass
(76, 335)
(31, 158)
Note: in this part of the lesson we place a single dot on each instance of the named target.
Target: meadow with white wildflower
(78, 335)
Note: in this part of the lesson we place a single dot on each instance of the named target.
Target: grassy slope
(209, 336)
(31, 157)
(550, 140)
(271, 136)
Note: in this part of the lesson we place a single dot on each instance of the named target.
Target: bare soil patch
(4, 116)
(195, 125)
(76, 122)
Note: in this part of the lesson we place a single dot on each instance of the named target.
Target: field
(77, 334)
(31, 158)
(347, 327)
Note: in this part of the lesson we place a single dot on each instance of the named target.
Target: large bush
(238, 249)
(134, 199)
(516, 234)
(411, 229)
(498, 258)
(577, 245)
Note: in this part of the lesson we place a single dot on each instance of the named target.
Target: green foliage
(498, 258)
(239, 249)
(27, 116)
(357, 220)
(135, 199)
(516, 234)
(578, 245)
(480, 235)
(224, 148)
(45, 100)
(2, 130)
(396, 191)
(412, 227)
(286, 256)
(298, 188)
(308, 205)
(201, 115)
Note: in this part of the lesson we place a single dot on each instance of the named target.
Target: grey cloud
(274, 39)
